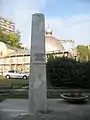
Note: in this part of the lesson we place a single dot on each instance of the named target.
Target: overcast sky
(69, 19)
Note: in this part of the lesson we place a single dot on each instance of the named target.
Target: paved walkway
(12, 108)
(17, 109)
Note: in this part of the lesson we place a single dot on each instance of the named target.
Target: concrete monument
(37, 82)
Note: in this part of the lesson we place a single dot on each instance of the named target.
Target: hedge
(67, 72)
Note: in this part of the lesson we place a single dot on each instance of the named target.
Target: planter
(75, 98)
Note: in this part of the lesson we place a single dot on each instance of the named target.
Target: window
(1, 53)
(11, 71)
(18, 72)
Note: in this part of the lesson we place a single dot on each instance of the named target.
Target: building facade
(19, 59)
(6, 26)
(13, 58)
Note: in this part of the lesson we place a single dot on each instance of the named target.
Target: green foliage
(12, 39)
(84, 53)
(66, 72)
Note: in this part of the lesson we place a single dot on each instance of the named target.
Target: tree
(12, 39)
(84, 53)
(3, 37)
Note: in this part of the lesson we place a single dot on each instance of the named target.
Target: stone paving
(17, 109)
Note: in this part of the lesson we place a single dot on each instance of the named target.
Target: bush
(66, 72)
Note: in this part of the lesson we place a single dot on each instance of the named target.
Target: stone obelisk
(37, 82)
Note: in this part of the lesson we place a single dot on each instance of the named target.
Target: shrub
(66, 72)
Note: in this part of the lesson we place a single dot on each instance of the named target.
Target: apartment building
(6, 25)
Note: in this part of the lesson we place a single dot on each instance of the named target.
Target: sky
(68, 19)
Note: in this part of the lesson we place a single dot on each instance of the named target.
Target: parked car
(15, 74)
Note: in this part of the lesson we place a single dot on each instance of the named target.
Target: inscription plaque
(39, 57)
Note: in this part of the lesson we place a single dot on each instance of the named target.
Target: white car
(15, 74)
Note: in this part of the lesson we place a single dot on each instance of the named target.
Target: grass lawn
(13, 81)
(11, 84)
(13, 96)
